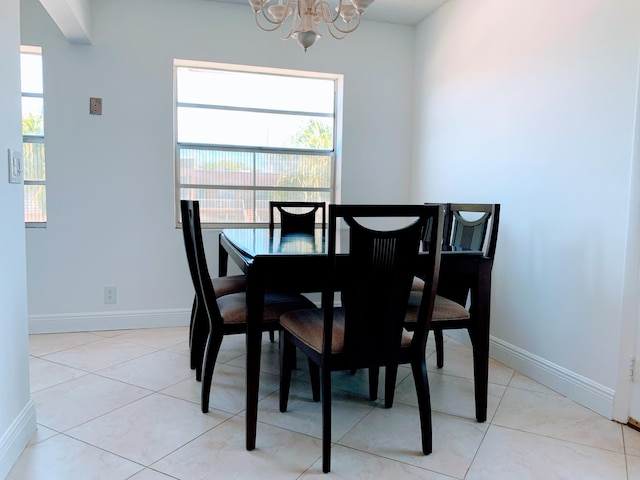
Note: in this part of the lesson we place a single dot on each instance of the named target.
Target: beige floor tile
(220, 453)
(303, 415)
(458, 361)
(157, 337)
(347, 463)
(154, 371)
(521, 381)
(74, 402)
(395, 433)
(556, 416)
(42, 434)
(98, 355)
(45, 374)
(149, 474)
(149, 429)
(228, 391)
(508, 454)
(633, 467)
(451, 395)
(45, 344)
(63, 458)
(631, 441)
(269, 360)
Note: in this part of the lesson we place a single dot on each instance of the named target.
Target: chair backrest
(296, 217)
(194, 247)
(472, 226)
(377, 273)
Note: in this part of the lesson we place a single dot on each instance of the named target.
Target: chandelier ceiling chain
(300, 18)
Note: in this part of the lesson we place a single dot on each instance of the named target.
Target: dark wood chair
(375, 278)
(222, 286)
(225, 314)
(296, 217)
(464, 294)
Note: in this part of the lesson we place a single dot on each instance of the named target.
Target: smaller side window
(35, 193)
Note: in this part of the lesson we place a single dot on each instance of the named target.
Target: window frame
(335, 154)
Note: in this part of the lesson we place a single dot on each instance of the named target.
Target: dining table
(297, 263)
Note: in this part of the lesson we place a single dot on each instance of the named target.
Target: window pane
(215, 167)
(222, 206)
(250, 129)
(31, 68)
(35, 203)
(282, 170)
(32, 116)
(255, 90)
(34, 164)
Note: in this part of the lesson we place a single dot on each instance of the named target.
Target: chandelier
(300, 18)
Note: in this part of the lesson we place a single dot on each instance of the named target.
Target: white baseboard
(17, 437)
(123, 320)
(580, 389)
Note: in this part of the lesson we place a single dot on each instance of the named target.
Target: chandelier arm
(344, 31)
(276, 25)
(267, 15)
(324, 8)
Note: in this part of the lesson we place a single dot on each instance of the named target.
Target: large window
(35, 200)
(245, 136)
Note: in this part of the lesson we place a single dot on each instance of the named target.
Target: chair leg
(210, 356)
(272, 336)
(287, 358)
(199, 338)
(391, 374)
(374, 373)
(439, 347)
(314, 374)
(419, 370)
(325, 374)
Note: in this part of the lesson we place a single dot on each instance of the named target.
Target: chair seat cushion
(307, 325)
(233, 307)
(229, 284)
(443, 309)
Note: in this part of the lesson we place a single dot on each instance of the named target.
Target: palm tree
(313, 171)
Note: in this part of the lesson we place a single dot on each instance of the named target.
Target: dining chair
(296, 217)
(367, 331)
(222, 286)
(463, 299)
(226, 314)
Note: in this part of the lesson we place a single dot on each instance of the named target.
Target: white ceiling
(405, 12)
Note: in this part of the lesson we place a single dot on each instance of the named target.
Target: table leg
(479, 333)
(223, 259)
(255, 309)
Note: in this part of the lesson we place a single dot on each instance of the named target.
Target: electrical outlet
(109, 294)
(95, 106)
(16, 172)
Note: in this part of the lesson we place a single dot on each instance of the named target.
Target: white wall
(531, 104)
(17, 414)
(110, 178)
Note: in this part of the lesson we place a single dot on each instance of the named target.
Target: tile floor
(125, 405)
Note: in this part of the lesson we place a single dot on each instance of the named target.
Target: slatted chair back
(378, 275)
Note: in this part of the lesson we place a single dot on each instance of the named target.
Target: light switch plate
(95, 106)
(16, 171)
